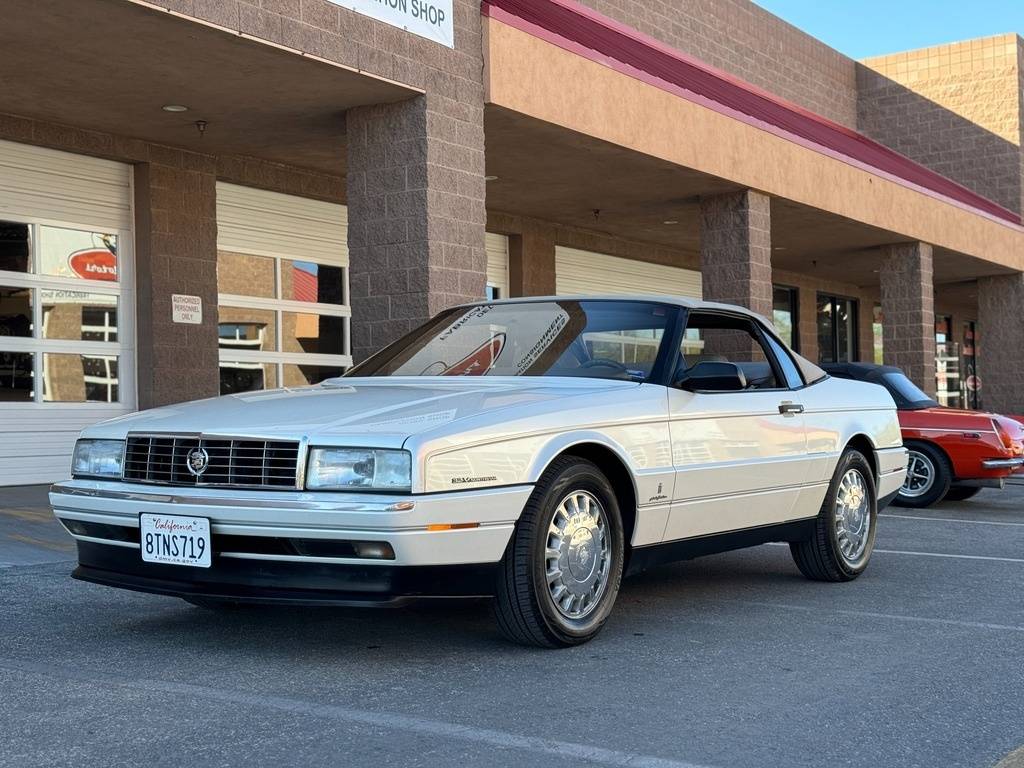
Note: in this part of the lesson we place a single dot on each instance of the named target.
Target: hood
(374, 411)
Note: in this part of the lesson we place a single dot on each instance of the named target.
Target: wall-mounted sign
(431, 19)
(186, 309)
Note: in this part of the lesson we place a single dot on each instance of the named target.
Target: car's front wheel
(844, 531)
(929, 475)
(561, 572)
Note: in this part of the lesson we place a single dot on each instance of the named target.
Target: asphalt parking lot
(732, 660)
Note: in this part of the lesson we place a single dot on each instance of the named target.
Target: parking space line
(387, 720)
(927, 554)
(953, 520)
(951, 556)
(877, 615)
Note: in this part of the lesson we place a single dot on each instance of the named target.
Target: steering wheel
(605, 363)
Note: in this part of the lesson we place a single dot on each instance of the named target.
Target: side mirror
(710, 376)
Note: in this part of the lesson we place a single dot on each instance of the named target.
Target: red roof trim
(590, 34)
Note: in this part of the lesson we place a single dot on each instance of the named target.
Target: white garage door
(587, 272)
(497, 266)
(282, 278)
(67, 338)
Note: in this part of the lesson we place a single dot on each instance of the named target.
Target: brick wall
(953, 108)
(747, 41)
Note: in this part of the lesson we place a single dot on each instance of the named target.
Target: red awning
(609, 42)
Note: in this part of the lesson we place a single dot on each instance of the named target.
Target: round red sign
(94, 264)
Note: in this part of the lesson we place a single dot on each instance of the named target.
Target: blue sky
(862, 28)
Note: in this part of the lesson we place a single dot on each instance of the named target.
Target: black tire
(938, 464)
(961, 493)
(820, 557)
(524, 607)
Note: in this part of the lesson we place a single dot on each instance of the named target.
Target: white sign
(431, 19)
(186, 309)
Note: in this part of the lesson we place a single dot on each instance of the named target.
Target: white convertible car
(533, 451)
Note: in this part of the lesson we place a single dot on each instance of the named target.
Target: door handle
(787, 407)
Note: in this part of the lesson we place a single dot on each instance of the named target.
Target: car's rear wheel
(929, 475)
(844, 531)
(961, 493)
(561, 572)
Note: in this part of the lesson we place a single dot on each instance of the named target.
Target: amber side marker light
(451, 526)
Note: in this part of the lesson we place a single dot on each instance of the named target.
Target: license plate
(175, 540)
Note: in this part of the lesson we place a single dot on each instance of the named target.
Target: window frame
(760, 334)
(279, 359)
(123, 289)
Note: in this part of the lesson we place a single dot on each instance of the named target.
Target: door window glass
(726, 339)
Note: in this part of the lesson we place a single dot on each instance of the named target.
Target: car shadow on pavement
(464, 626)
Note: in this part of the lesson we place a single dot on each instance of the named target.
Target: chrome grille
(233, 462)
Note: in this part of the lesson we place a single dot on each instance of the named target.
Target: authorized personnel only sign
(431, 19)
(186, 309)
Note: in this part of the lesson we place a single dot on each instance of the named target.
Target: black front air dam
(268, 581)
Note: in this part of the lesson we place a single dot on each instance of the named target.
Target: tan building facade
(260, 193)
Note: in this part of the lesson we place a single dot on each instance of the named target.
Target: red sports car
(953, 453)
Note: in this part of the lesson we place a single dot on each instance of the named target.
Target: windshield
(900, 385)
(593, 339)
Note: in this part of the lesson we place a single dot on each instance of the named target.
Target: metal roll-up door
(67, 305)
(588, 272)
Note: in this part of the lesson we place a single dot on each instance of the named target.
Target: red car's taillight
(1004, 435)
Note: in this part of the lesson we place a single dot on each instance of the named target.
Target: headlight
(98, 458)
(364, 469)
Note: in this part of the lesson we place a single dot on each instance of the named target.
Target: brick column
(175, 252)
(908, 311)
(736, 249)
(415, 215)
(1001, 342)
(531, 260)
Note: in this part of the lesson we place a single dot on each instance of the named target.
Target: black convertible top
(907, 395)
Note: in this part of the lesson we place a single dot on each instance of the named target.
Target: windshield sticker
(480, 360)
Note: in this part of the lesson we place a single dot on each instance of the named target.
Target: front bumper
(284, 546)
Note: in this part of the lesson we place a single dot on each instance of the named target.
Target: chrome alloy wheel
(578, 555)
(920, 475)
(853, 516)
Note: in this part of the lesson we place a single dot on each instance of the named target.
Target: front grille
(245, 463)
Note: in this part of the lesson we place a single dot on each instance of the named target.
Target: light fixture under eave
(670, 221)
(490, 178)
(174, 108)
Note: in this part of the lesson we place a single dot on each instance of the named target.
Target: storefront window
(947, 364)
(837, 329)
(282, 322)
(784, 314)
(878, 334)
(970, 381)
